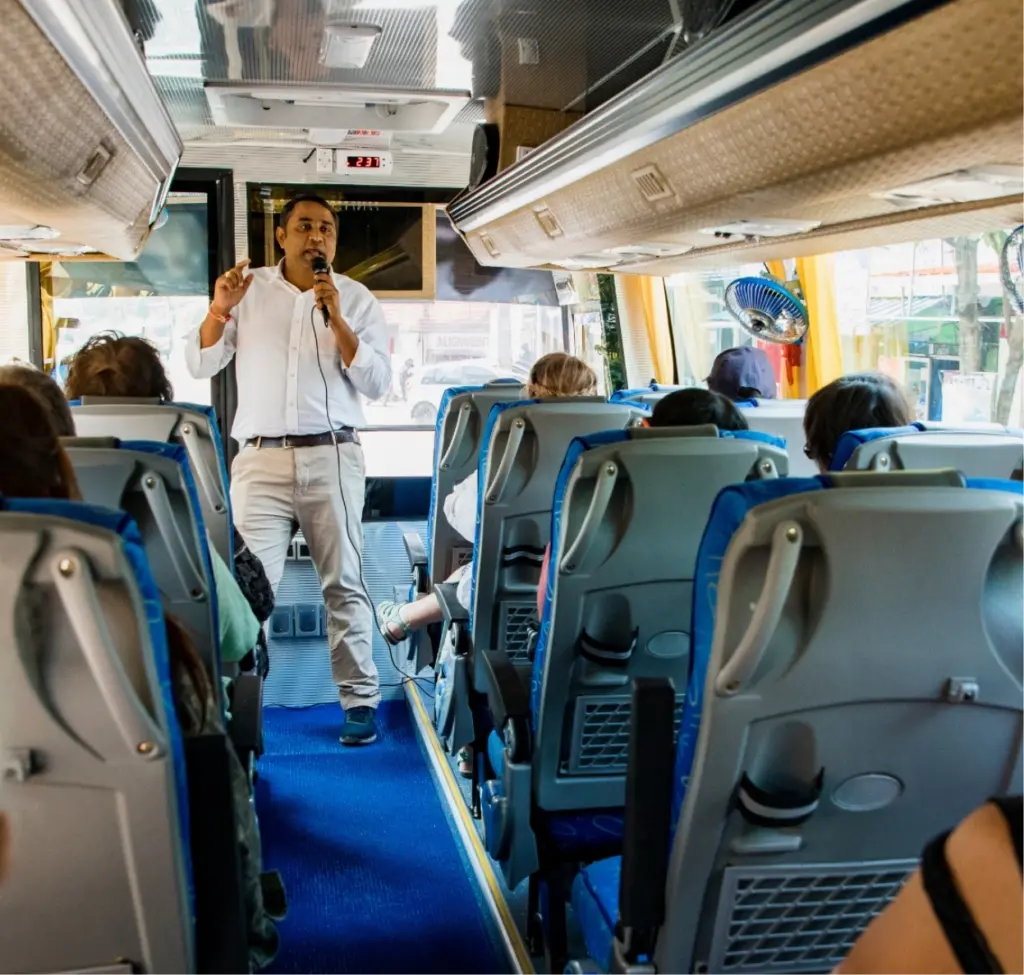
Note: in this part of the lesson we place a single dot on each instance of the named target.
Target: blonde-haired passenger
(552, 376)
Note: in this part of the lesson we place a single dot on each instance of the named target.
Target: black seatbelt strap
(778, 808)
(522, 555)
(606, 654)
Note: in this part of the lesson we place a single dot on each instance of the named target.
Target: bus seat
(190, 425)
(841, 724)
(95, 781)
(524, 444)
(782, 418)
(648, 395)
(153, 483)
(461, 418)
(980, 452)
(629, 511)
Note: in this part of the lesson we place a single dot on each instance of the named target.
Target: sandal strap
(388, 616)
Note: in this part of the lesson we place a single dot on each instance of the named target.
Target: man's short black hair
(695, 408)
(289, 207)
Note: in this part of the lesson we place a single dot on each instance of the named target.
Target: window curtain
(821, 358)
(49, 325)
(644, 303)
(690, 309)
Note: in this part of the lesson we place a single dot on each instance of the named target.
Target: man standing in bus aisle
(299, 377)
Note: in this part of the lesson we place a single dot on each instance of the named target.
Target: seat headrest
(118, 401)
(852, 439)
(118, 522)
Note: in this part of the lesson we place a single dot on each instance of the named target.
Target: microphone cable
(406, 677)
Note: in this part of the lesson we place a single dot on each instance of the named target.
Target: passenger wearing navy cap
(743, 373)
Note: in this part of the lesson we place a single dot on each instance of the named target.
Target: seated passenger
(34, 465)
(961, 910)
(683, 408)
(46, 389)
(743, 373)
(554, 375)
(856, 402)
(124, 365)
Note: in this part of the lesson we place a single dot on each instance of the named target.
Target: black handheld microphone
(320, 266)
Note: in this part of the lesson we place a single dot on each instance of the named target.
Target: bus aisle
(366, 847)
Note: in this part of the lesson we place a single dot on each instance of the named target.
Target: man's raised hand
(231, 287)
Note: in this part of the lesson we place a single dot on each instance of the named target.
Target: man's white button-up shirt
(280, 345)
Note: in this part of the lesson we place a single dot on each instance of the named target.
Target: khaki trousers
(272, 487)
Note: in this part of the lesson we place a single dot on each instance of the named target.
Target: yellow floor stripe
(477, 853)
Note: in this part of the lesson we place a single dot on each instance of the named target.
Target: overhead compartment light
(348, 45)
(650, 250)
(28, 233)
(86, 145)
(963, 186)
(588, 262)
(276, 106)
(761, 228)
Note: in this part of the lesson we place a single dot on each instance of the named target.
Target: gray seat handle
(787, 540)
(461, 425)
(515, 438)
(155, 491)
(76, 587)
(197, 459)
(603, 487)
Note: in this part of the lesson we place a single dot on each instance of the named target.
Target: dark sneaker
(360, 727)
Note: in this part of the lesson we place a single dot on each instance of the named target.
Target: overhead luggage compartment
(801, 128)
(87, 149)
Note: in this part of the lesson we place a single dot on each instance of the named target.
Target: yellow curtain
(644, 300)
(789, 390)
(822, 354)
(49, 329)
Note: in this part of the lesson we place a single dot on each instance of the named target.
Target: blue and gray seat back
(94, 789)
(461, 419)
(855, 689)
(629, 511)
(524, 445)
(648, 395)
(189, 425)
(153, 483)
(985, 451)
(782, 418)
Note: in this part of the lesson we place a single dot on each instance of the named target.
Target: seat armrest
(417, 553)
(508, 695)
(452, 611)
(415, 549)
(649, 780)
(247, 715)
(220, 918)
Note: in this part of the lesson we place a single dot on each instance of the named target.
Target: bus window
(435, 345)
(932, 314)
(159, 297)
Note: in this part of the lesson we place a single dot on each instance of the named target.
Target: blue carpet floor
(376, 881)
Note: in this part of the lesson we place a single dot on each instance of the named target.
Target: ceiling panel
(556, 54)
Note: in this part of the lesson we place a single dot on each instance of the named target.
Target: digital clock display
(365, 162)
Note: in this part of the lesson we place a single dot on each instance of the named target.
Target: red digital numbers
(364, 162)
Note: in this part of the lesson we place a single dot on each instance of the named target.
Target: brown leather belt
(344, 435)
